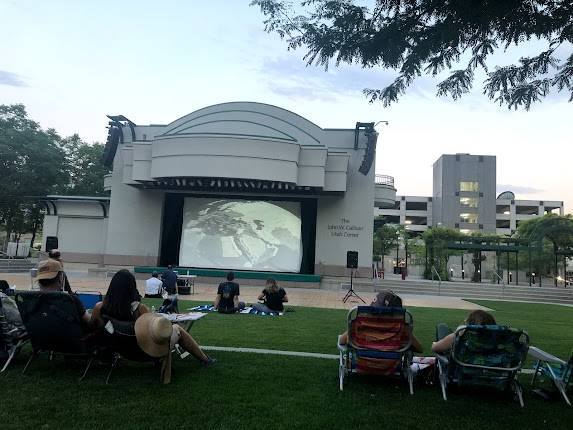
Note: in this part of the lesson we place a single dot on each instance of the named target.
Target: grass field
(251, 390)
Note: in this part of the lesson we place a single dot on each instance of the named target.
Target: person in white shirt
(153, 287)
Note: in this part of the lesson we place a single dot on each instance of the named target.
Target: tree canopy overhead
(416, 37)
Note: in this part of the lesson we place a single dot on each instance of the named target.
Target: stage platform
(215, 276)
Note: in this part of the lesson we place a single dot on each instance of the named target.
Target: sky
(73, 62)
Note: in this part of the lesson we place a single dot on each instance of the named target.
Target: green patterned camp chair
(558, 370)
(379, 341)
(485, 356)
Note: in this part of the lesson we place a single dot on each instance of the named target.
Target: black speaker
(51, 243)
(352, 259)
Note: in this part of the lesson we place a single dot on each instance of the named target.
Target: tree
(436, 240)
(85, 167)
(427, 37)
(32, 164)
(385, 239)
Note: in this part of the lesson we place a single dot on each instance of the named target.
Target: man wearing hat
(55, 254)
(50, 277)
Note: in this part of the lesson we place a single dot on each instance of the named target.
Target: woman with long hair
(122, 303)
(445, 336)
(273, 297)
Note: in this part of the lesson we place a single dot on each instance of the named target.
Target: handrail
(384, 180)
(439, 279)
(502, 283)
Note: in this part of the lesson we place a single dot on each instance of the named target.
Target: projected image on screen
(241, 235)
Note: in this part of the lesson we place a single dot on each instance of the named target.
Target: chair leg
(34, 354)
(443, 379)
(561, 387)
(13, 351)
(410, 380)
(87, 368)
(537, 366)
(341, 372)
(113, 366)
(518, 391)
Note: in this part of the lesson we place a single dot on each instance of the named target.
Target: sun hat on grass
(153, 333)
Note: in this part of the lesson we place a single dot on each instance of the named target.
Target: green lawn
(251, 390)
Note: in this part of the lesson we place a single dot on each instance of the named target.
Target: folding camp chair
(119, 340)
(11, 341)
(89, 298)
(559, 371)
(379, 341)
(485, 356)
(54, 326)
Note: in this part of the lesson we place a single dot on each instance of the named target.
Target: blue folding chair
(559, 371)
(89, 298)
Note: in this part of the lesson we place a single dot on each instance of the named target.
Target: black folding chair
(10, 343)
(54, 326)
(119, 340)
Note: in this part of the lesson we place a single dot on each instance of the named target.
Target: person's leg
(442, 330)
(261, 307)
(189, 344)
(241, 306)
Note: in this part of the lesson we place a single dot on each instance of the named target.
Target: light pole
(397, 250)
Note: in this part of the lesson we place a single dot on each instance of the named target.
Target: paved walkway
(297, 296)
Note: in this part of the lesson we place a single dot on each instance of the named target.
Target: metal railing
(502, 283)
(384, 180)
(434, 271)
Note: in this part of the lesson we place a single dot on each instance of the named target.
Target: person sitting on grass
(122, 303)
(227, 300)
(273, 297)
(386, 299)
(445, 337)
(153, 287)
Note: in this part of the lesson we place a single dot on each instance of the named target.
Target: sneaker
(210, 361)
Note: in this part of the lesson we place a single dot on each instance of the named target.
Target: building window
(469, 202)
(469, 218)
(469, 186)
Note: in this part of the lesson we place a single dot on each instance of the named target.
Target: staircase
(16, 265)
(466, 290)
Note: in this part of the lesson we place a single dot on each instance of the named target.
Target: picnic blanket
(246, 310)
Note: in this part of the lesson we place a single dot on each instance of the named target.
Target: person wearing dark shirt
(227, 300)
(273, 297)
(50, 277)
(169, 278)
(55, 254)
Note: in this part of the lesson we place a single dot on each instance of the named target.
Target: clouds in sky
(11, 79)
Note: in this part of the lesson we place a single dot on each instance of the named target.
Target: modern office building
(464, 198)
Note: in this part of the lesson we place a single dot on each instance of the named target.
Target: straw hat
(153, 333)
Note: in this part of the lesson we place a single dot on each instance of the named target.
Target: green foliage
(436, 240)
(35, 163)
(386, 238)
(427, 36)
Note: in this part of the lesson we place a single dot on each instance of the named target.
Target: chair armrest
(444, 359)
(341, 348)
(539, 354)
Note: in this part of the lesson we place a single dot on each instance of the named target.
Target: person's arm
(95, 319)
(443, 345)
(261, 296)
(285, 297)
(142, 309)
(217, 300)
(416, 345)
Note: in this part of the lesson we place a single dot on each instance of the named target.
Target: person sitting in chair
(227, 300)
(273, 297)
(55, 254)
(153, 287)
(51, 277)
(445, 336)
(122, 303)
(391, 300)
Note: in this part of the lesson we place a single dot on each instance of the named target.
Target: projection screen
(241, 235)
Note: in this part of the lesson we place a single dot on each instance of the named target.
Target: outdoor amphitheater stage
(215, 276)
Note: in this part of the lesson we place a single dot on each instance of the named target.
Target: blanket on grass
(246, 310)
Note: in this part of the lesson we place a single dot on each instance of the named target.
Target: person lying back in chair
(445, 336)
(50, 277)
(386, 299)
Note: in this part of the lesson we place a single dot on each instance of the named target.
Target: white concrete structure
(230, 150)
(464, 198)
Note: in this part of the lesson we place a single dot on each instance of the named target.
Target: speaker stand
(351, 291)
